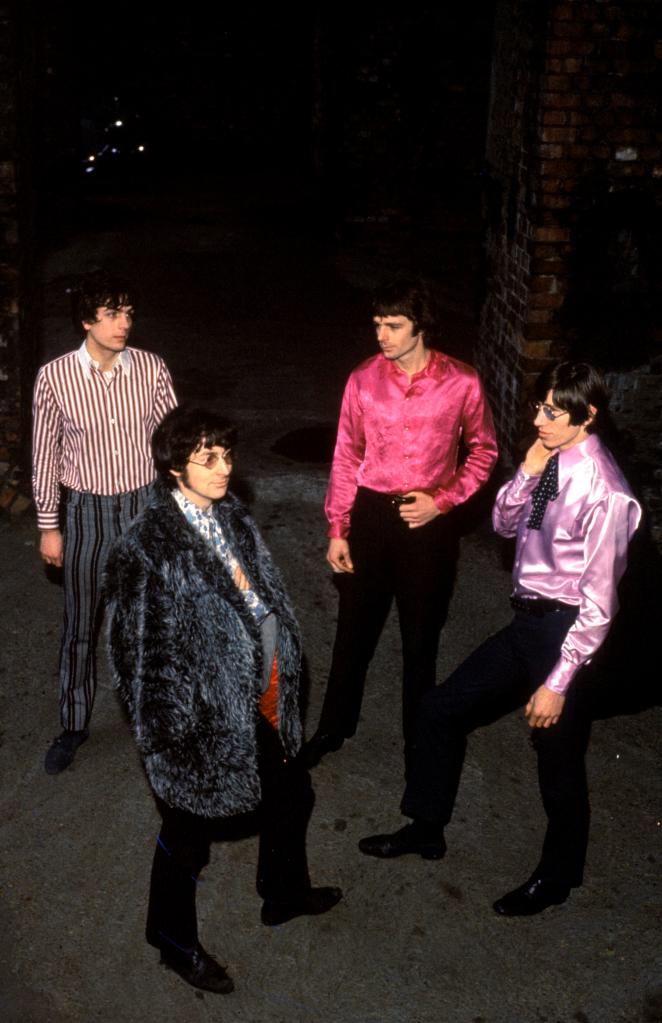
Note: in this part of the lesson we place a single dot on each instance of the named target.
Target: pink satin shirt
(580, 552)
(398, 434)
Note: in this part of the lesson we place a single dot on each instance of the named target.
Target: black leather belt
(539, 606)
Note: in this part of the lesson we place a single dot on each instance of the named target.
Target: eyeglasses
(547, 410)
(212, 460)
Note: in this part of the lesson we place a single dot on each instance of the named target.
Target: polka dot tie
(547, 490)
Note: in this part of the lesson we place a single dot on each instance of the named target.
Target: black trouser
(416, 566)
(498, 677)
(183, 844)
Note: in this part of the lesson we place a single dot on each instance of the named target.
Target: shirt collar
(88, 363)
(572, 458)
(190, 509)
(434, 360)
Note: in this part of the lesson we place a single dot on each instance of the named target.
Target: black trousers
(183, 845)
(414, 566)
(498, 677)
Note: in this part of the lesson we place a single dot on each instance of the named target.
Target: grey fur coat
(186, 653)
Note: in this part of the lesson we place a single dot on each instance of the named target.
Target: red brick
(551, 234)
(620, 99)
(560, 47)
(627, 170)
(558, 168)
(567, 30)
(542, 331)
(541, 251)
(556, 202)
(626, 135)
(560, 100)
(537, 301)
(559, 134)
(563, 12)
(550, 152)
(555, 117)
(556, 83)
(540, 316)
(547, 284)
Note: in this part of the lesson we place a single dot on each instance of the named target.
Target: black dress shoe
(533, 897)
(412, 838)
(317, 747)
(63, 750)
(197, 968)
(310, 903)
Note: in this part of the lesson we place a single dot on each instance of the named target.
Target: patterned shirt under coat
(186, 655)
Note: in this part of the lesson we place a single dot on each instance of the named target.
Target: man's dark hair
(406, 297)
(575, 386)
(94, 290)
(183, 431)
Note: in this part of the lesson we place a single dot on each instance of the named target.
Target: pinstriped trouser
(93, 522)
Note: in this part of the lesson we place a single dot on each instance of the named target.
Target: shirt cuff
(443, 502)
(48, 520)
(522, 481)
(558, 681)
(337, 531)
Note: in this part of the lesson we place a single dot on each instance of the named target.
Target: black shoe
(311, 903)
(196, 967)
(63, 750)
(317, 747)
(412, 838)
(533, 897)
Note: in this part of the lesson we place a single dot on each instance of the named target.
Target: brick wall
(574, 141)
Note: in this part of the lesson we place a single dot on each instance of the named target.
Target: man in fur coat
(205, 652)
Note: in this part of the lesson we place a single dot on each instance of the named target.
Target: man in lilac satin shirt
(572, 514)
(396, 476)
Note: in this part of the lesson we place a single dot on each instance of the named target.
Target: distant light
(141, 149)
(89, 170)
(114, 150)
(91, 159)
(118, 124)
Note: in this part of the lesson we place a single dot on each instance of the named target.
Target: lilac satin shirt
(580, 552)
(397, 434)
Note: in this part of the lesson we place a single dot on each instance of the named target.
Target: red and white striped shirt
(92, 430)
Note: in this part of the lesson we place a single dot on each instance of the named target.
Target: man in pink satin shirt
(396, 476)
(573, 515)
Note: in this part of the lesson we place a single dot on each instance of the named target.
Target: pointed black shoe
(531, 898)
(312, 903)
(196, 966)
(412, 838)
(317, 747)
(63, 750)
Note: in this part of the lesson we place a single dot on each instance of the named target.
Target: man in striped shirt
(94, 413)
